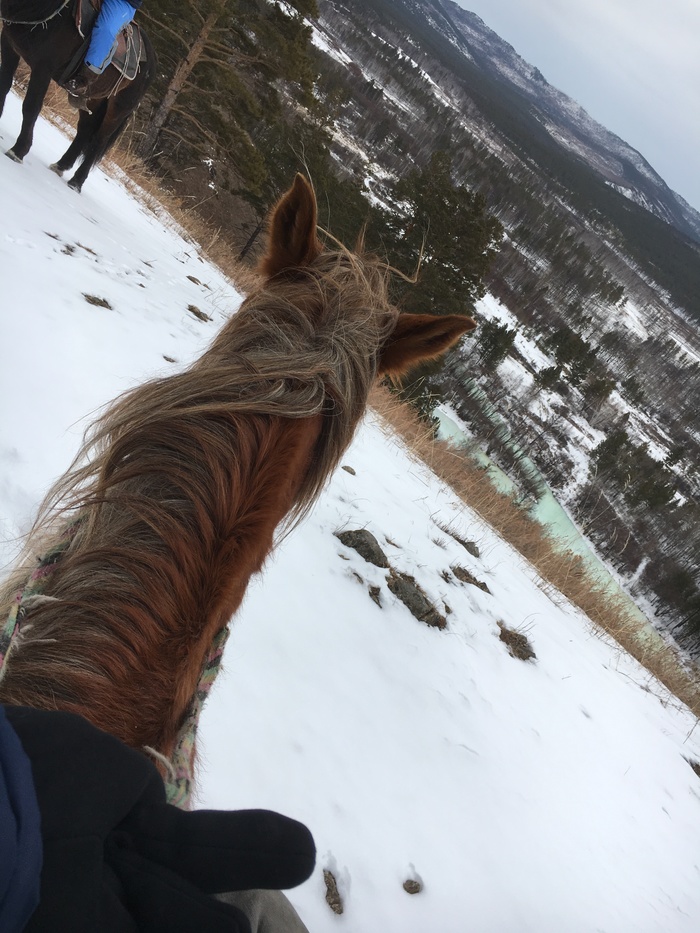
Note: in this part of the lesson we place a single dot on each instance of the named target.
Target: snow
(491, 308)
(541, 796)
(328, 45)
(685, 348)
(633, 319)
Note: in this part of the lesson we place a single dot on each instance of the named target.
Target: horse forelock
(324, 328)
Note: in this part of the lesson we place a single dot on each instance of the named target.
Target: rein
(35, 22)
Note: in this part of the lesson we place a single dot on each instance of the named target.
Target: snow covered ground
(543, 796)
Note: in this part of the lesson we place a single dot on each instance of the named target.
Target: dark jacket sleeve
(20, 833)
(117, 858)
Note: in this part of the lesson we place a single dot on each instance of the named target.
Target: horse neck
(148, 593)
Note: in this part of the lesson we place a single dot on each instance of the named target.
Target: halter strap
(11, 630)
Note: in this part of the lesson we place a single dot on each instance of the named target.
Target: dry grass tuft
(466, 576)
(562, 572)
(97, 301)
(518, 643)
(198, 313)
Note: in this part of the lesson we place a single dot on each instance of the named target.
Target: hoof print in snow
(98, 302)
(467, 545)
(349, 469)
(365, 544)
(169, 359)
(518, 644)
(200, 315)
(411, 886)
(465, 576)
(375, 595)
(414, 599)
(333, 898)
(695, 765)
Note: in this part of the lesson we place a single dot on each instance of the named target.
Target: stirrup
(78, 102)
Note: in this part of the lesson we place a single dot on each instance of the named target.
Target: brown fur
(182, 483)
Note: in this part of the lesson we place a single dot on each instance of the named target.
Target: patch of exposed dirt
(466, 576)
(97, 302)
(469, 546)
(200, 315)
(333, 898)
(518, 644)
(405, 588)
(695, 765)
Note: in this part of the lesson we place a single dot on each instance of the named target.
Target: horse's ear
(420, 337)
(293, 241)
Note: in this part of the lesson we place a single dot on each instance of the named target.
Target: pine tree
(448, 226)
(224, 64)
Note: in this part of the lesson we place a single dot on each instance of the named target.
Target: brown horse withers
(44, 34)
(175, 498)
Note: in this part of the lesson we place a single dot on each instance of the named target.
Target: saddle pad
(129, 52)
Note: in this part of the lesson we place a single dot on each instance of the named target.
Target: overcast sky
(634, 65)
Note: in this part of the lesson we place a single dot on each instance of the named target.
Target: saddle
(127, 52)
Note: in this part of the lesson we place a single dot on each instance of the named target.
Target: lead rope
(178, 784)
(11, 632)
(36, 22)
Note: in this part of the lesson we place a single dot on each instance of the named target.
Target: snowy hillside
(544, 795)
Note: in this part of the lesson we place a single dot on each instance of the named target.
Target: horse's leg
(8, 66)
(88, 124)
(102, 138)
(31, 108)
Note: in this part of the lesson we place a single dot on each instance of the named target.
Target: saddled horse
(149, 541)
(45, 35)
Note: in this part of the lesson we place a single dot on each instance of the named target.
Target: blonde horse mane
(174, 498)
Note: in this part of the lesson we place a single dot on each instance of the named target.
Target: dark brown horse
(44, 34)
(175, 499)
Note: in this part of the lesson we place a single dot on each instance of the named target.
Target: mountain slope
(565, 121)
(531, 796)
(448, 82)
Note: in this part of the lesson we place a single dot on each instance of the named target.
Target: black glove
(118, 858)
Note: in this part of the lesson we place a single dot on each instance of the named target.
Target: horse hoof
(55, 168)
(13, 155)
(75, 185)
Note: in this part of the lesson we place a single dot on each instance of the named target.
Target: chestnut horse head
(150, 540)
